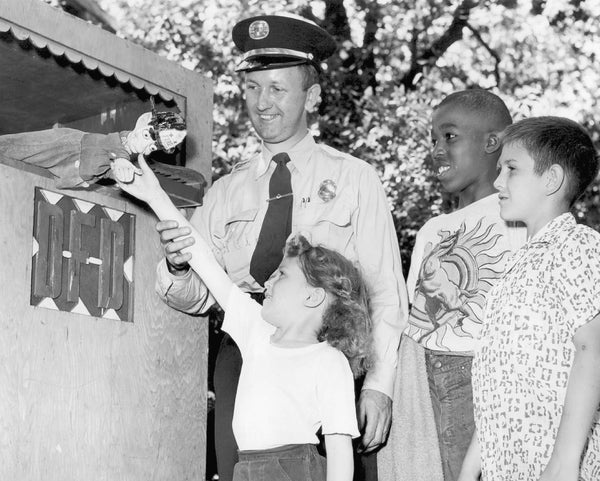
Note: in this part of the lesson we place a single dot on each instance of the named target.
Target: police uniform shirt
(339, 202)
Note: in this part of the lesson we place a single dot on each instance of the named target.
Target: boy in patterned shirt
(535, 375)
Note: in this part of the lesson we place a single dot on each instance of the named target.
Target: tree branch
(367, 63)
(336, 20)
(437, 49)
(489, 49)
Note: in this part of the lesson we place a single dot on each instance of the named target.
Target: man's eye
(450, 136)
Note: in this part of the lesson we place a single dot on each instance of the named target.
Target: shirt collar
(299, 155)
(551, 233)
(554, 230)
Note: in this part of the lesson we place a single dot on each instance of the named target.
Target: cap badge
(327, 190)
(258, 30)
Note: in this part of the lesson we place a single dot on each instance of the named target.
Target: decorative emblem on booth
(82, 257)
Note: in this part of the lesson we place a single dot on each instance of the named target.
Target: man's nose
(264, 100)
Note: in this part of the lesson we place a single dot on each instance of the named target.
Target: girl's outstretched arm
(581, 403)
(146, 187)
(340, 464)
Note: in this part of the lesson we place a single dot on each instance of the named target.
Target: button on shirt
(351, 215)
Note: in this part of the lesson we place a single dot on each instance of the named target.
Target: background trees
(396, 58)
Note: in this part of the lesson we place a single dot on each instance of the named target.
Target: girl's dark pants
(294, 462)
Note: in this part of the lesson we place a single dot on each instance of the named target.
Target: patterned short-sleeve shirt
(549, 289)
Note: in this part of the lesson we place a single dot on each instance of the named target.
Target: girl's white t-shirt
(285, 394)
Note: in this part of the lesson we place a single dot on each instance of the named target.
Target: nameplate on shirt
(82, 257)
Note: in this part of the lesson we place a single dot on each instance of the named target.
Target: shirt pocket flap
(247, 215)
(339, 214)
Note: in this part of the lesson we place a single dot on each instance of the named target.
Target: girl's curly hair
(346, 321)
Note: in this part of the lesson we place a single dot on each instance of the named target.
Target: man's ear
(316, 297)
(493, 143)
(555, 178)
(313, 97)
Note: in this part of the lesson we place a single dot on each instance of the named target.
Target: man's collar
(299, 155)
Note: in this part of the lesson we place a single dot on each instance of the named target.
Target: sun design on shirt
(455, 275)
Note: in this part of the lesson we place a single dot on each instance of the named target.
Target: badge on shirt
(327, 190)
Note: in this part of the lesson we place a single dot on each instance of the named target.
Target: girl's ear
(555, 178)
(316, 297)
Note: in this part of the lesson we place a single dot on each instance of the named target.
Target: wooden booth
(99, 380)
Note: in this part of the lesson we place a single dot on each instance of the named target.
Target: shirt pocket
(239, 242)
(329, 224)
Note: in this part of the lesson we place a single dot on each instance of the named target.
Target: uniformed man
(293, 184)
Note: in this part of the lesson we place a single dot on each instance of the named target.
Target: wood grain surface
(83, 398)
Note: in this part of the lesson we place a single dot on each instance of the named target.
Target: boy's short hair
(482, 102)
(557, 140)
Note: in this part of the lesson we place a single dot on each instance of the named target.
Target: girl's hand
(145, 185)
(123, 170)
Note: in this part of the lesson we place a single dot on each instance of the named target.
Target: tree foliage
(396, 58)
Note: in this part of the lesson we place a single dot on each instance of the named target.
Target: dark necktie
(277, 225)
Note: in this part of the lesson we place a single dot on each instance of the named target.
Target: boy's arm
(340, 464)
(581, 403)
(471, 466)
(146, 187)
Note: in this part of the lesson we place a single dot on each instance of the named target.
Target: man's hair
(480, 102)
(557, 140)
(346, 321)
(310, 75)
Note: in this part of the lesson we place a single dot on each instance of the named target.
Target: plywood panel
(83, 398)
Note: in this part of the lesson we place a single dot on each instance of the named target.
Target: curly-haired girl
(300, 351)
